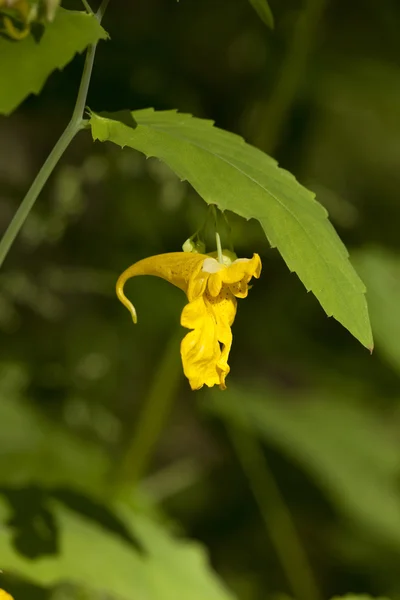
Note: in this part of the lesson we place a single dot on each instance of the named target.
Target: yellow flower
(5, 596)
(212, 289)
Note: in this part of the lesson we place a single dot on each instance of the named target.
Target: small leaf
(235, 176)
(25, 65)
(264, 12)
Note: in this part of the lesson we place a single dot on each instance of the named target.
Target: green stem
(102, 10)
(219, 247)
(151, 422)
(276, 515)
(35, 189)
(76, 124)
(217, 236)
(291, 74)
(87, 7)
(77, 115)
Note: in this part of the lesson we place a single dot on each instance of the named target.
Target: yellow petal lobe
(242, 269)
(199, 349)
(205, 350)
(5, 596)
(175, 267)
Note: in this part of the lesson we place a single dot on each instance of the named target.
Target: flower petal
(240, 289)
(239, 273)
(200, 350)
(176, 267)
(224, 309)
(205, 350)
(242, 268)
(197, 283)
(214, 284)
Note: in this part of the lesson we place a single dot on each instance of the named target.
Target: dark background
(320, 93)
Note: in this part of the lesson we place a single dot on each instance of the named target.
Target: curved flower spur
(211, 288)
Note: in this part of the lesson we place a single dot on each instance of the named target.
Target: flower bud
(228, 257)
(198, 247)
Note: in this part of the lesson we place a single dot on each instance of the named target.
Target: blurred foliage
(346, 448)
(103, 559)
(263, 10)
(75, 374)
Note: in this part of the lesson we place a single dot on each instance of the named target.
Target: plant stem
(155, 411)
(77, 115)
(275, 514)
(87, 7)
(35, 189)
(219, 247)
(102, 10)
(76, 124)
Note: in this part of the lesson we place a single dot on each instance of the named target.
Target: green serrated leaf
(235, 176)
(264, 12)
(25, 65)
(92, 556)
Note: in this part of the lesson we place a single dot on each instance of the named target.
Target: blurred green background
(321, 93)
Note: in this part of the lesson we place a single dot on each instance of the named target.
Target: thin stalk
(76, 124)
(219, 247)
(77, 115)
(155, 411)
(26, 205)
(102, 10)
(276, 515)
(87, 7)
